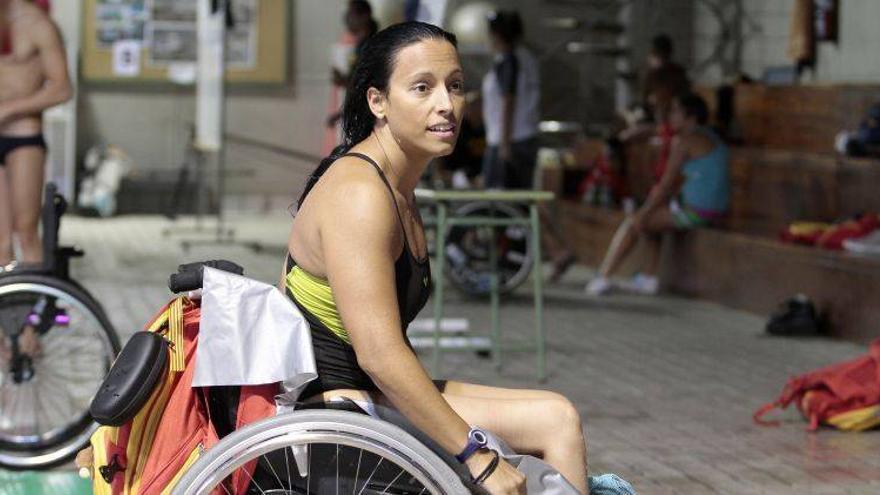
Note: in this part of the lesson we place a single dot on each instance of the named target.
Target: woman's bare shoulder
(353, 198)
(349, 206)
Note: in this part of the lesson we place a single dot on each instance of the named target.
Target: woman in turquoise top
(698, 162)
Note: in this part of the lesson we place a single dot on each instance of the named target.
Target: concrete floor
(666, 386)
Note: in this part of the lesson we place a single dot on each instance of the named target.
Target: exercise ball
(470, 23)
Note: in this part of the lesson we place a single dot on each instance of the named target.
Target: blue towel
(609, 484)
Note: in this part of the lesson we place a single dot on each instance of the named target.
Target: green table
(445, 218)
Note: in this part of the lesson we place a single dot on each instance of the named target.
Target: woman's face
(426, 98)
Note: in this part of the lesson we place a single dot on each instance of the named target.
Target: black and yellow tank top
(335, 358)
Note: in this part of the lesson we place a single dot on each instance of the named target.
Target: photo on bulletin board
(256, 46)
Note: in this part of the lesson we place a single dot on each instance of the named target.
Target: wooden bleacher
(785, 171)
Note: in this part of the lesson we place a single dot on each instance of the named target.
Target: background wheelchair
(44, 399)
(467, 250)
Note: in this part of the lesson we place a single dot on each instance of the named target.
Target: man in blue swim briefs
(33, 77)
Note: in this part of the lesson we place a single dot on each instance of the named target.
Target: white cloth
(250, 333)
(527, 111)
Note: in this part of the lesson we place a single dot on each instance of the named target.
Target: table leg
(537, 276)
(494, 299)
(439, 279)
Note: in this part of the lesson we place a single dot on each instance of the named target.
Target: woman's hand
(504, 480)
(84, 461)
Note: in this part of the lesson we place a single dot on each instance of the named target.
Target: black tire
(62, 441)
(467, 251)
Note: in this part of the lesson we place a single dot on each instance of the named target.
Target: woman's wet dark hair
(372, 70)
(694, 106)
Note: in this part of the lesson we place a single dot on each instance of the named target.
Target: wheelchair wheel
(44, 399)
(467, 251)
(321, 452)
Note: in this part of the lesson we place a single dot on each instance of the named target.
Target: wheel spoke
(272, 468)
(385, 490)
(357, 470)
(287, 466)
(308, 467)
(253, 480)
(367, 482)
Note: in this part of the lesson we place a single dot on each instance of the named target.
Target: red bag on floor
(851, 229)
(844, 395)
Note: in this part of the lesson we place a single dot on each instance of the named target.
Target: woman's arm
(670, 181)
(360, 234)
(360, 237)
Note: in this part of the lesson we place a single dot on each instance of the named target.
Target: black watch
(477, 439)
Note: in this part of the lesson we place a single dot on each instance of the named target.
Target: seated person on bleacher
(693, 192)
(663, 80)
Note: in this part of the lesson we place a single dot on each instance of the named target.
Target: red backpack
(844, 395)
(148, 454)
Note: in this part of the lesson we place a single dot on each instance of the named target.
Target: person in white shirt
(511, 106)
(511, 112)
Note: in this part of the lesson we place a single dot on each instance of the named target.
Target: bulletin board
(257, 48)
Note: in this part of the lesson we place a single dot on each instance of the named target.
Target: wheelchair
(467, 250)
(44, 399)
(320, 447)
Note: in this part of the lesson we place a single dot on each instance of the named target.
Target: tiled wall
(765, 27)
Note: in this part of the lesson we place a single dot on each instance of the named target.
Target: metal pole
(537, 275)
(494, 300)
(223, 6)
(438, 283)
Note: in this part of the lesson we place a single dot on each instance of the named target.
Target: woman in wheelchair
(358, 267)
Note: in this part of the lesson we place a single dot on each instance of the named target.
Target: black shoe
(795, 317)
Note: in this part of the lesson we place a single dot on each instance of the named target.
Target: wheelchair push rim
(299, 433)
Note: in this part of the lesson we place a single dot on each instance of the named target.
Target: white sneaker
(598, 286)
(644, 284)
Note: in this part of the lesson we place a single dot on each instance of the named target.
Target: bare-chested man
(33, 77)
